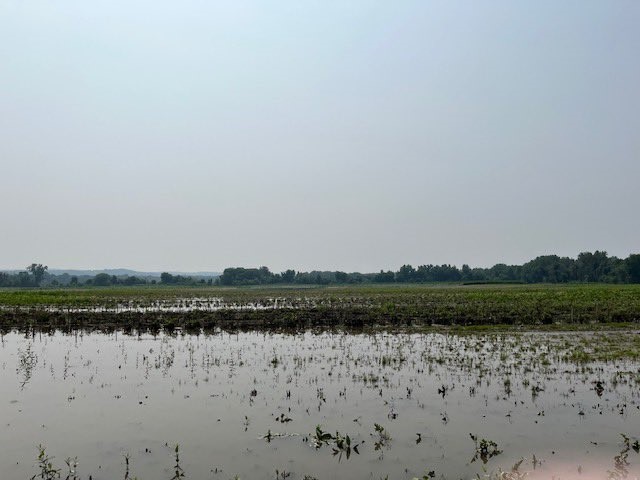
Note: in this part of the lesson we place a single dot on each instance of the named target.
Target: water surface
(99, 397)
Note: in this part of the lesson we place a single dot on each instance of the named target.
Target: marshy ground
(373, 400)
(154, 307)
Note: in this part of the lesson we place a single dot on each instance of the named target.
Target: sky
(350, 135)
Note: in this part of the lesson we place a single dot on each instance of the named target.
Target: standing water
(262, 405)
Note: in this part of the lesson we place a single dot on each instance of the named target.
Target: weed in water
(45, 464)
(485, 449)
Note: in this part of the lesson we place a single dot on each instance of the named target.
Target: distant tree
(24, 280)
(548, 269)
(592, 267)
(37, 270)
(406, 274)
(73, 281)
(169, 279)
(384, 277)
(247, 276)
(102, 280)
(166, 278)
(479, 274)
(467, 273)
(341, 277)
(288, 276)
(133, 280)
(424, 273)
(446, 273)
(633, 267)
(356, 277)
(501, 272)
(265, 274)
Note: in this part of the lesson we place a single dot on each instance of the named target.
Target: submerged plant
(45, 464)
(319, 437)
(27, 361)
(341, 443)
(127, 474)
(343, 446)
(282, 475)
(178, 471)
(283, 418)
(382, 437)
(72, 466)
(485, 449)
(427, 476)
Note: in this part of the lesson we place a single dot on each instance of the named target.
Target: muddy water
(100, 397)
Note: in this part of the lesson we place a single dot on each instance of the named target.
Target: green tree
(467, 273)
(592, 267)
(37, 270)
(24, 280)
(341, 277)
(633, 267)
(384, 277)
(102, 280)
(166, 278)
(288, 276)
(405, 274)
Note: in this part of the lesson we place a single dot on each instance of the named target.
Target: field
(358, 306)
(376, 382)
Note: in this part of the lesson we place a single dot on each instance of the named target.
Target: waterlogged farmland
(354, 306)
(320, 403)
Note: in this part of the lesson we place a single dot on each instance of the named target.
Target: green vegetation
(485, 449)
(37, 270)
(360, 306)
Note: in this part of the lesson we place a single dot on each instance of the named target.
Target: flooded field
(194, 308)
(260, 405)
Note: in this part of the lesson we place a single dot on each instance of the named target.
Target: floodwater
(194, 304)
(247, 405)
(181, 305)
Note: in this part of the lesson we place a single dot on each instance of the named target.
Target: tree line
(587, 267)
(36, 275)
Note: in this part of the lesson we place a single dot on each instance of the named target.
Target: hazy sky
(317, 134)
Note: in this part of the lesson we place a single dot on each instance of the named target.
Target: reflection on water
(328, 405)
(183, 305)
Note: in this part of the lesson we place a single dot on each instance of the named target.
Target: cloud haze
(196, 135)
